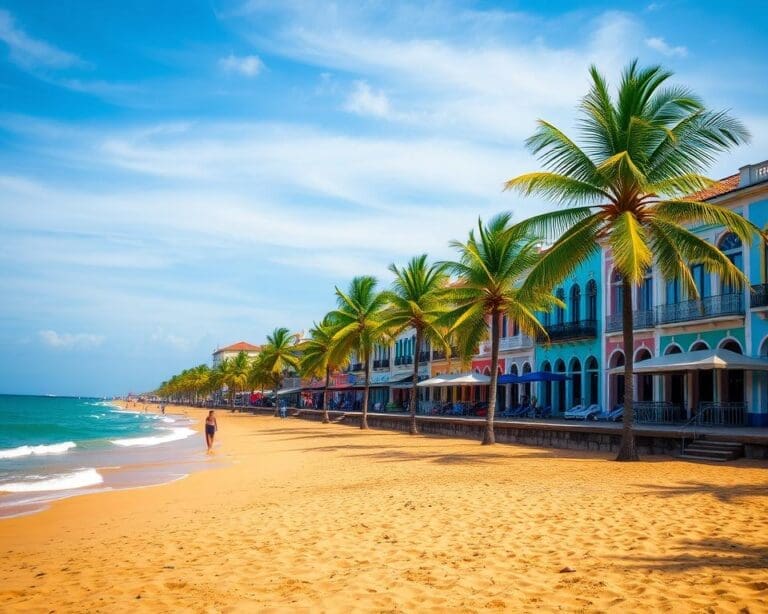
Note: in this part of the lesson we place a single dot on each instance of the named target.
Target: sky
(179, 176)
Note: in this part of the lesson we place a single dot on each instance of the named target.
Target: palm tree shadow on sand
(730, 493)
(710, 552)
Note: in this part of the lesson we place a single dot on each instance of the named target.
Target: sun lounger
(575, 413)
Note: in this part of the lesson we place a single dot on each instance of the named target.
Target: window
(617, 295)
(592, 300)
(701, 279)
(560, 312)
(730, 245)
(646, 292)
(575, 303)
(503, 326)
(673, 291)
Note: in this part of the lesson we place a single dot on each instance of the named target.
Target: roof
(240, 346)
(698, 360)
(728, 184)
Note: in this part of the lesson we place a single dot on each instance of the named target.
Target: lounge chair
(575, 413)
(616, 414)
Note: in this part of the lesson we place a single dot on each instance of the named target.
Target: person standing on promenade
(210, 430)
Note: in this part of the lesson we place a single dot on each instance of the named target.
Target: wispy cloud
(29, 52)
(70, 340)
(363, 100)
(659, 44)
(249, 65)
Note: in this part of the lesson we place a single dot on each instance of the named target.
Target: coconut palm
(625, 187)
(280, 356)
(417, 301)
(491, 268)
(320, 356)
(359, 318)
(258, 375)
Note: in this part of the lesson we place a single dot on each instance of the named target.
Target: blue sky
(180, 175)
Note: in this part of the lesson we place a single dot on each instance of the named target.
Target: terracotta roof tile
(240, 346)
(728, 184)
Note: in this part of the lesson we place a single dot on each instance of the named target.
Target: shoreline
(312, 517)
(122, 467)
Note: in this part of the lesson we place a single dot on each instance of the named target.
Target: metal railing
(508, 343)
(403, 360)
(356, 366)
(657, 412)
(701, 309)
(584, 329)
(640, 319)
(382, 363)
(721, 414)
(759, 296)
(424, 356)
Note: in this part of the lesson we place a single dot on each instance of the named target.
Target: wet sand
(311, 517)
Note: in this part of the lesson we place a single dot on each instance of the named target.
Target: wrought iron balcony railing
(583, 329)
(759, 296)
(701, 309)
(640, 319)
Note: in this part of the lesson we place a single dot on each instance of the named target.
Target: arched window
(730, 245)
(731, 346)
(575, 303)
(592, 300)
(560, 312)
(504, 322)
(593, 379)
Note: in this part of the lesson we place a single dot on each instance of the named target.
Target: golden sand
(311, 517)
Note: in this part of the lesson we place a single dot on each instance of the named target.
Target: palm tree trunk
(489, 438)
(413, 430)
(277, 403)
(628, 450)
(326, 420)
(364, 417)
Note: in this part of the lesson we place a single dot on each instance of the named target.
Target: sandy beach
(309, 517)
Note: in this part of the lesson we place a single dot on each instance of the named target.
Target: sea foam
(174, 435)
(54, 448)
(66, 481)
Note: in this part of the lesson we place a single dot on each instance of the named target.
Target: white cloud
(29, 52)
(70, 340)
(659, 44)
(164, 338)
(365, 101)
(249, 65)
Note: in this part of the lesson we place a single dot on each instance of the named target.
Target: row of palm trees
(625, 187)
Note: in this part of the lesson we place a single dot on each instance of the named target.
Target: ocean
(56, 447)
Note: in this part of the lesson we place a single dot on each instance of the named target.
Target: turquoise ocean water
(54, 447)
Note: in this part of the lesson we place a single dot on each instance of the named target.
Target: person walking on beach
(210, 430)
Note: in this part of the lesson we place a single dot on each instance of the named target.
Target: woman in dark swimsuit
(210, 430)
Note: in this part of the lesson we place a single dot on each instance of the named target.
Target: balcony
(701, 309)
(640, 320)
(570, 331)
(759, 296)
(403, 360)
(356, 366)
(381, 364)
(508, 343)
(424, 356)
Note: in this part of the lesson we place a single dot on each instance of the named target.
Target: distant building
(233, 350)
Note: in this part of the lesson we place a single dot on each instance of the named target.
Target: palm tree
(258, 375)
(320, 356)
(281, 355)
(491, 268)
(417, 300)
(359, 318)
(625, 187)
